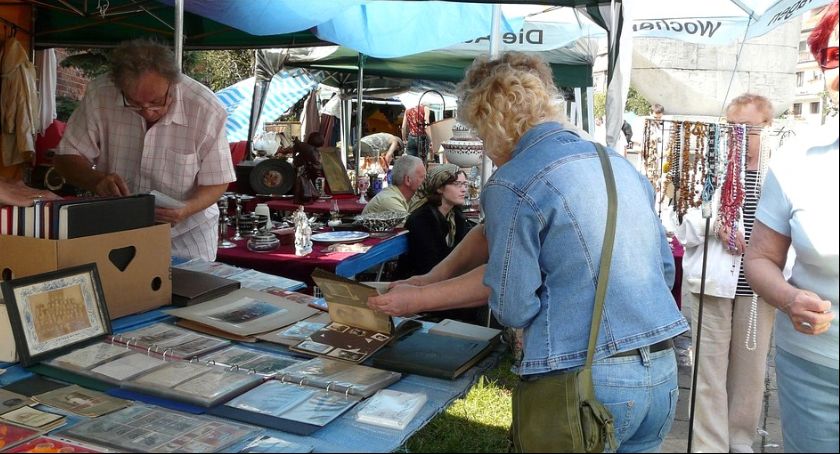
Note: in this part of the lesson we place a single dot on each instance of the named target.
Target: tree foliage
(219, 68)
(636, 103)
(215, 68)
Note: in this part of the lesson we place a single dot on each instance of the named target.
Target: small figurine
(303, 233)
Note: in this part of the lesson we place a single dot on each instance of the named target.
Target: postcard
(48, 444)
(12, 401)
(128, 366)
(30, 417)
(81, 401)
(91, 356)
(171, 375)
(11, 435)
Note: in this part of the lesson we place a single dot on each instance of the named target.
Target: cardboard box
(133, 264)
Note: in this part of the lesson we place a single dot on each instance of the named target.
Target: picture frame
(52, 313)
(334, 171)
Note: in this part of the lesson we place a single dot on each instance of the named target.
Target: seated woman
(435, 226)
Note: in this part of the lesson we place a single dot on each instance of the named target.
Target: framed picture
(54, 312)
(334, 171)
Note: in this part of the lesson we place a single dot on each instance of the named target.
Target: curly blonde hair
(502, 99)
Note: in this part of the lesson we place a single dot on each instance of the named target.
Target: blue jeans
(641, 392)
(808, 402)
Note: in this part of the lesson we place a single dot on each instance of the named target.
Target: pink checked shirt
(185, 149)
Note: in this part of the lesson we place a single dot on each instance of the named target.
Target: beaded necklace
(710, 178)
(699, 132)
(732, 190)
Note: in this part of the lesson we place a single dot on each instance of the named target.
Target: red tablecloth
(345, 205)
(284, 262)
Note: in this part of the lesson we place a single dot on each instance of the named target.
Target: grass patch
(478, 422)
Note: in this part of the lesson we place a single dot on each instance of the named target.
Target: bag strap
(606, 255)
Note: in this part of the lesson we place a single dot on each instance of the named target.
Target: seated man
(407, 175)
(380, 144)
(145, 126)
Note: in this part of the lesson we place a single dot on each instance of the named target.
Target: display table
(347, 206)
(284, 262)
(345, 434)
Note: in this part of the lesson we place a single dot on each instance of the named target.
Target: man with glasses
(145, 126)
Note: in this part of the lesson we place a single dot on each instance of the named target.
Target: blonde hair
(502, 99)
(761, 104)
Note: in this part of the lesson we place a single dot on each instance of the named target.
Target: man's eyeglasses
(155, 108)
(827, 58)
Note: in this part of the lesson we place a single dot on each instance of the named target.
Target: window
(803, 46)
(799, 77)
(797, 109)
(815, 107)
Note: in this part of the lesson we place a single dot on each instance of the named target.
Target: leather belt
(657, 347)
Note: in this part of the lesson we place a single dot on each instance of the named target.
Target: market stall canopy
(286, 88)
(715, 21)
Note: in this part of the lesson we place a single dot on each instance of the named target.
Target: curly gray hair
(131, 59)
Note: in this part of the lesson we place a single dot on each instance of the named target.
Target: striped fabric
(286, 88)
(751, 195)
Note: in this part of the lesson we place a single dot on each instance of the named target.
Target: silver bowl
(381, 222)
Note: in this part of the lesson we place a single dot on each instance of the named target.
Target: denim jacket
(546, 213)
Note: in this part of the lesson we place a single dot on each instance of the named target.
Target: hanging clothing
(19, 102)
(47, 79)
(310, 121)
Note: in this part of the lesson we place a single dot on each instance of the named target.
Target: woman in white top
(799, 207)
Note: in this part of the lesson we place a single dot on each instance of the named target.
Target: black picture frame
(55, 312)
(272, 176)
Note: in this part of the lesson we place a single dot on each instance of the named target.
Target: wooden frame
(334, 171)
(54, 312)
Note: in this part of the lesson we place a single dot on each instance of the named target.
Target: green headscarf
(435, 179)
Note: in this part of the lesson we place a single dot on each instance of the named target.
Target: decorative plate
(340, 237)
(272, 176)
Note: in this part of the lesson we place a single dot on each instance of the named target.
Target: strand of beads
(732, 190)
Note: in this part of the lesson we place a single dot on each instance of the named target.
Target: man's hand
(808, 313)
(111, 185)
(400, 300)
(171, 215)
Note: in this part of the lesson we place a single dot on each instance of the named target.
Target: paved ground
(769, 432)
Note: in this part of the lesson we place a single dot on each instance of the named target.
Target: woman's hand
(417, 281)
(740, 243)
(400, 300)
(808, 313)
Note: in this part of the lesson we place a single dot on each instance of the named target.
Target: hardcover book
(143, 428)
(432, 355)
(355, 331)
(245, 312)
(193, 287)
(288, 407)
(29, 417)
(463, 330)
(78, 218)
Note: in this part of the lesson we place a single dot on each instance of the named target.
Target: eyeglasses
(827, 58)
(462, 184)
(155, 108)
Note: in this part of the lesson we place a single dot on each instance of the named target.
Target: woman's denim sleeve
(513, 275)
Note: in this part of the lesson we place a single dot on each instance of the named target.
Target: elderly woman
(546, 209)
(799, 208)
(435, 224)
(736, 323)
